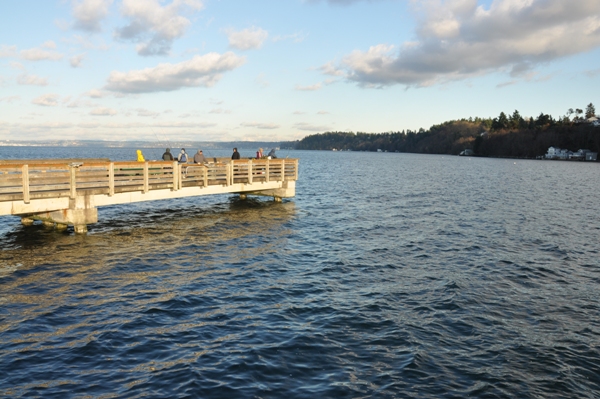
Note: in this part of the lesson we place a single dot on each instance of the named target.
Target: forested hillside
(504, 136)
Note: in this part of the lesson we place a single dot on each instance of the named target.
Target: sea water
(387, 276)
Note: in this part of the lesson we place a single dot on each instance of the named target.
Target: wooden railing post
(267, 170)
(175, 174)
(296, 170)
(205, 175)
(146, 177)
(283, 170)
(250, 166)
(25, 177)
(229, 174)
(73, 181)
(111, 179)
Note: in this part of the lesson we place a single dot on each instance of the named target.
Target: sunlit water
(387, 276)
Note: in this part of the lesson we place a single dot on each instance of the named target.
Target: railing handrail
(26, 180)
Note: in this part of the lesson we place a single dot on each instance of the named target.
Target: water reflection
(138, 247)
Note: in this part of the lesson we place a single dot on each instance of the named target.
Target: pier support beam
(26, 221)
(81, 212)
(287, 190)
(61, 226)
(80, 228)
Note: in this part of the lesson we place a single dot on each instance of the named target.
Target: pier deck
(68, 192)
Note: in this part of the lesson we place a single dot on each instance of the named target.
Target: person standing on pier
(140, 157)
(259, 153)
(236, 154)
(183, 157)
(167, 156)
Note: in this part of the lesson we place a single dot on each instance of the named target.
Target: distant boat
(379, 150)
(466, 153)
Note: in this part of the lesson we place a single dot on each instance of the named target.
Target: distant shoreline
(217, 145)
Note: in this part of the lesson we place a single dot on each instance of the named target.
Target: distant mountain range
(221, 145)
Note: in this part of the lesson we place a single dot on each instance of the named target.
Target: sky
(278, 70)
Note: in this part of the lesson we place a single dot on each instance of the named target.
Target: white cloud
(49, 125)
(17, 65)
(7, 51)
(219, 111)
(76, 60)
(295, 37)
(95, 93)
(331, 69)
(47, 100)
(39, 54)
(458, 39)
(258, 125)
(314, 87)
(153, 26)
(311, 128)
(251, 38)
(49, 44)
(339, 2)
(203, 71)
(103, 111)
(85, 42)
(89, 13)
(9, 99)
(31, 80)
(261, 80)
(145, 112)
(323, 113)
(81, 103)
(592, 72)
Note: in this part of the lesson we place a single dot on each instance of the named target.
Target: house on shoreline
(580, 155)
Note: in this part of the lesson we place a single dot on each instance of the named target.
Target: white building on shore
(561, 153)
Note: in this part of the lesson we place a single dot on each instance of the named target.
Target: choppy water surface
(387, 276)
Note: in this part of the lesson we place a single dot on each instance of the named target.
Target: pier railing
(33, 179)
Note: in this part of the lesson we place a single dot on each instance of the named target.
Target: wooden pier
(69, 192)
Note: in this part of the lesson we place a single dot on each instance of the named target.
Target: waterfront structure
(69, 192)
(581, 154)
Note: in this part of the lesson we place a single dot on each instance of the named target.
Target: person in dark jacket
(236, 154)
(167, 156)
(199, 157)
(272, 153)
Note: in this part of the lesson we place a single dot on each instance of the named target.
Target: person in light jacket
(183, 156)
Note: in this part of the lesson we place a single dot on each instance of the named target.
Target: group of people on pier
(199, 157)
(259, 154)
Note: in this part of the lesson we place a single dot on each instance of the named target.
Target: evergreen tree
(590, 111)
(516, 120)
(503, 120)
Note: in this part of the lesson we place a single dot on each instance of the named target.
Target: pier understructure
(64, 193)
